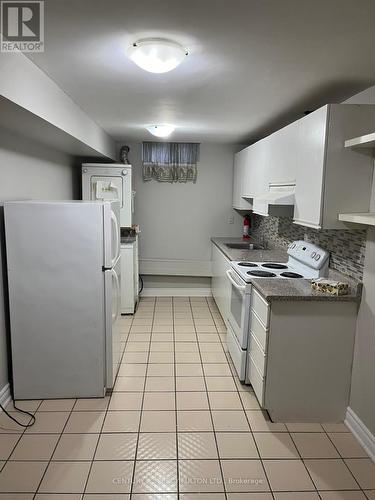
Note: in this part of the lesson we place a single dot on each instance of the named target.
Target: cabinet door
(310, 153)
(281, 158)
(215, 273)
(127, 279)
(257, 169)
(239, 169)
(220, 284)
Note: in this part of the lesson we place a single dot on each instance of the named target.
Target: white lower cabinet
(300, 356)
(257, 380)
(220, 284)
(257, 354)
(257, 348)
(129, 277)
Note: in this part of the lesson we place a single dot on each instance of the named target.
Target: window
(170, 161)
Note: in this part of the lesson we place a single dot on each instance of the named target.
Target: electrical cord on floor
(21, 411)
(141, 280)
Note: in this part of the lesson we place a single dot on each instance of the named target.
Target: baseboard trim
(361, 432)
(164, 267)
(5, 396)
(176, 292)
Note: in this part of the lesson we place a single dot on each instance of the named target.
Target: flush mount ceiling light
(161, 130)
(157, 55)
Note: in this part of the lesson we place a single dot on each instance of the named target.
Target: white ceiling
(254, 65)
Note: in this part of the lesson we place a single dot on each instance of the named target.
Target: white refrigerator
(64, 268)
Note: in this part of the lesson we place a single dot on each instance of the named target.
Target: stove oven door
(239, 309)
(237, 354)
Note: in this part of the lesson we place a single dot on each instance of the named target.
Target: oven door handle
(234, 282)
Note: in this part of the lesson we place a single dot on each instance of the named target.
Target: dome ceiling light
(161, 130)
(157, 55)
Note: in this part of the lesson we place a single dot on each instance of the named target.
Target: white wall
(178, 220)
(362, 399)
(26, 85)
(28, 170)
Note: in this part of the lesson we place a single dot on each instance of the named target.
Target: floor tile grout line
(106, 413)
(289, 459)
(209, 407)
(222, 342)
(141, 409)
(303, 461)
(343, 459)
(175, 401)
(20, 436)
(252, 435)
(260, 457)
(251, 431)
(53, 452)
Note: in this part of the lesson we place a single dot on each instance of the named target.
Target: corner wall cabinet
(330, 178)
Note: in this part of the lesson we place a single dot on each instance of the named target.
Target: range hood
(278, 200)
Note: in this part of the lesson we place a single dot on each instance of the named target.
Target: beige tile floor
(178, 425)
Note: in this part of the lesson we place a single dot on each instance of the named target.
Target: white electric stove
(305, 261)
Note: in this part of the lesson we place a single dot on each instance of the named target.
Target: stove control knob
(317, 256)
(313, 255)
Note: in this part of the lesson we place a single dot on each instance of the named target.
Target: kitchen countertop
(283, 289)
(272, 255)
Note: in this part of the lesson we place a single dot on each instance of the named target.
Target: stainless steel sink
(244, 246)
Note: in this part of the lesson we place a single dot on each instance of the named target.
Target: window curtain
(170, 161)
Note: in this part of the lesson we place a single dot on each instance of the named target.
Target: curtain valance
(170, 161)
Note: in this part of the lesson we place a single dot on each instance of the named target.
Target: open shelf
(361, 218)
(363, 141)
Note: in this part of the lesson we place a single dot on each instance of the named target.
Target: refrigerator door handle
(117, 283)
(117, 232)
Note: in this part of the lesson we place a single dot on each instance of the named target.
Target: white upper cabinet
(240, 164)
(332, 179)
(281, 162)
(310, 156)
(257, 164)
(329, 178)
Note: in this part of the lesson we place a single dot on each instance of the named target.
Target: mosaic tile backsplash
(347, 247)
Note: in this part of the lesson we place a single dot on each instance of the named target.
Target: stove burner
(289, 274)
(261, 274)
(274, 265)
(247, 264)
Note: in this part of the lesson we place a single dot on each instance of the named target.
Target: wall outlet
(231, 220)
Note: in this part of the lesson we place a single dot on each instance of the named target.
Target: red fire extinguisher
(246, 226)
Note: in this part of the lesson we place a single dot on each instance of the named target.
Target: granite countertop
(272, 255)
(283, 289)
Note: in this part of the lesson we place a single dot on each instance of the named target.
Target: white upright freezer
(64, 274)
